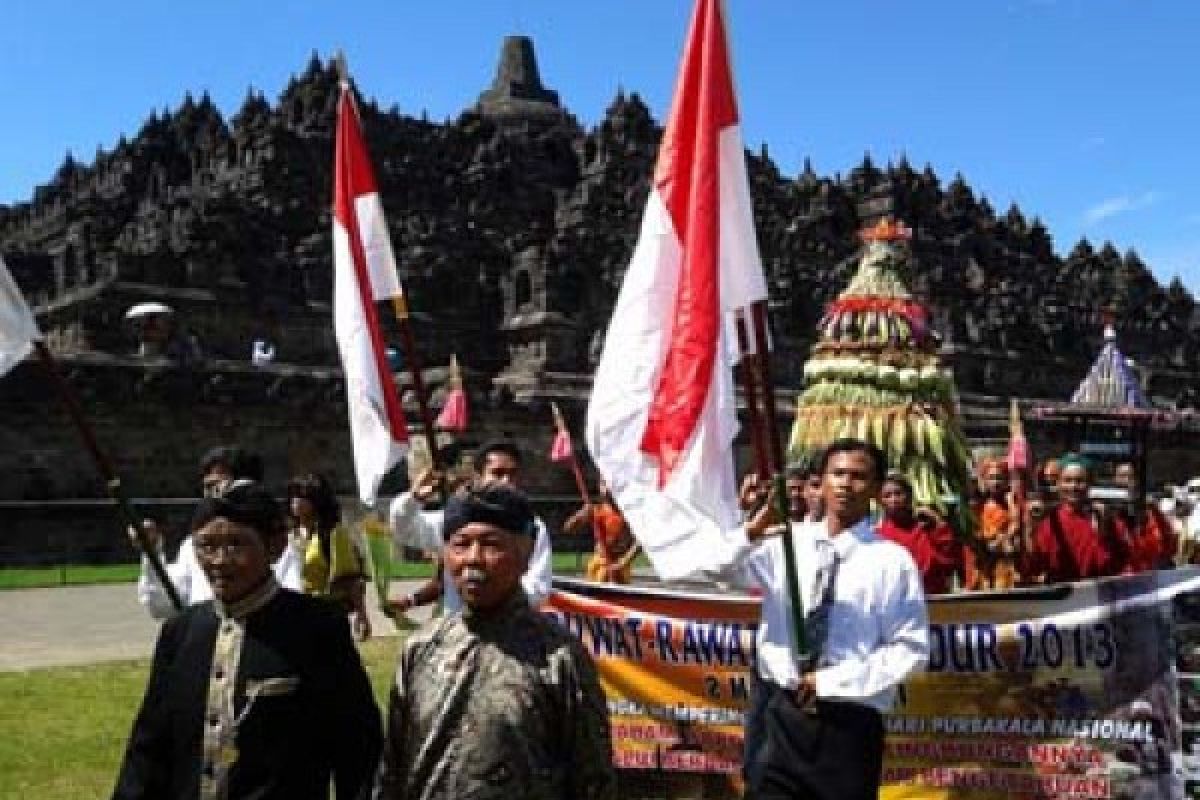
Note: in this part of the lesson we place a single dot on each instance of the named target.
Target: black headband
(244, 502)
(492, 505)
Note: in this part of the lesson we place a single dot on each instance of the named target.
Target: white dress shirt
(878, 630)
(193, 586)
(412, 527)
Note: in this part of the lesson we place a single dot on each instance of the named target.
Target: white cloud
(1122, 204)
(1093, 142)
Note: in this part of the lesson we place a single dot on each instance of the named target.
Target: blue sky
(1082, 111)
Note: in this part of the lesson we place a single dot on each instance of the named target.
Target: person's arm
(585, 732)
(151, 594)
(629, 556)
(429, 592)
(903, 648)
(356, 731)
(289, 568)
(1043, 557)
(412, 527)
(539, 575)
(146, 769)
(579, 520)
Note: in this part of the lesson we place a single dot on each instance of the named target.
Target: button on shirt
(878, 628)
(412, 527)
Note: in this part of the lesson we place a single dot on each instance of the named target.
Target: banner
(1088, 690)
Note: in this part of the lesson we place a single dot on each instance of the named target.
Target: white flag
(663, 414)
(364, 272)
(18, 330)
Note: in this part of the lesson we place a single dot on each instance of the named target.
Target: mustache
(474, 574)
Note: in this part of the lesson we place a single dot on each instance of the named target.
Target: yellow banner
(1076, 691)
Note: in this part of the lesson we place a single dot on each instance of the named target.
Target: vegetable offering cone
(875, 375)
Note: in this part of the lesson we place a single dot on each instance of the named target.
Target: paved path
(88, 624)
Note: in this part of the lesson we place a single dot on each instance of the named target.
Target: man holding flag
(661, 426)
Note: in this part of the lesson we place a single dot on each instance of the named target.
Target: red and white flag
(662, 416)
(18, 330)
(364, 272)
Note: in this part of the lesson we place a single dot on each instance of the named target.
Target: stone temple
(512, 225)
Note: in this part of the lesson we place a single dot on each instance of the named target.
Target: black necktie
(816, 621)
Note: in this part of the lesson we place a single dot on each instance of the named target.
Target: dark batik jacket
(264, 699)
(504, 706)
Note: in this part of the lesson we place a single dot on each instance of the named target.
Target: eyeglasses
(231, 549)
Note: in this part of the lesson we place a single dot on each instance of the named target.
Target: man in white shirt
(497, 462)
(219, 468)
(817, 726)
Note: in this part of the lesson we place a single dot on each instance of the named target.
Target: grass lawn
(62, 731)
(66, 575)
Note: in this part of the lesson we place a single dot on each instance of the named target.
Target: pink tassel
(561, 449)
(1018, 453)
(454, 412)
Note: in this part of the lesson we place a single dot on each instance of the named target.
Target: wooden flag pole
(411, 360)
(400, 309)
(749, 369)
(111, 480)
(775, 448)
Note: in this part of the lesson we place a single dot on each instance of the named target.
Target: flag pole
(775, 448)
(112, 482)
(408, 342)
(560, 423)
(762, 460)
(401, 313)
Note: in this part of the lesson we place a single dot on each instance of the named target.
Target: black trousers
(754, 731)
(834, 752)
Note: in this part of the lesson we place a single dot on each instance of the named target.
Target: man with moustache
(494, 701)
(496, 463)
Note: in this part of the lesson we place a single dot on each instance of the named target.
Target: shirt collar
(516, 605)
(252, 602)
(845, 542)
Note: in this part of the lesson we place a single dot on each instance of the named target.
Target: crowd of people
(1050, 530)
(256, 688)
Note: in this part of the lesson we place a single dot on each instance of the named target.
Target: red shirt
(1075, 549)
(1152, 543)
(933, 549)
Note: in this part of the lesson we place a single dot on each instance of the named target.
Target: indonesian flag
(364, 272)
(18, 330)
(662, 416)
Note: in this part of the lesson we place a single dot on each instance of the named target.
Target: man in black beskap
(258, 693)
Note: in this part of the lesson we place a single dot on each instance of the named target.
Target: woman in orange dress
(1000, 529)
(614, 548)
